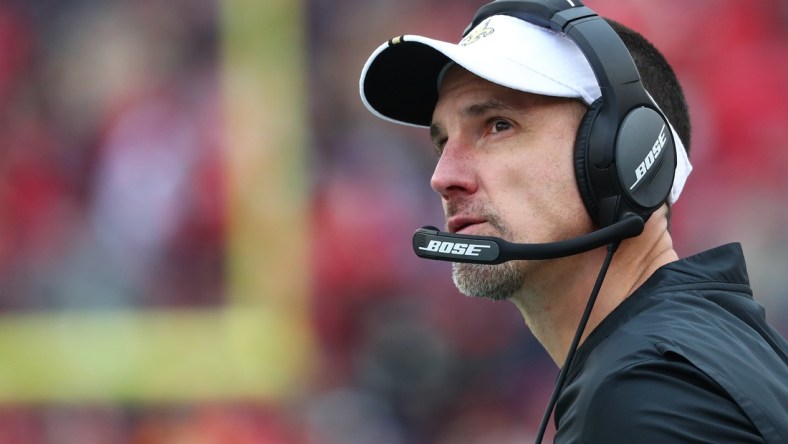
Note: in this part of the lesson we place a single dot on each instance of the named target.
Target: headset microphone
(430, 243)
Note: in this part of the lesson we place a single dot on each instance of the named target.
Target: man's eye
(499, 125)
(439, 145)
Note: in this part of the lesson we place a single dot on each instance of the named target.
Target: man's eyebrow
(479, 109)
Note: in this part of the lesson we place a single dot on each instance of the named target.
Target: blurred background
(191, 191)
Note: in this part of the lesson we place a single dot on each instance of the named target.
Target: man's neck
(553, 308)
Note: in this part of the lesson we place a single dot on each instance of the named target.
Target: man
(673, 350)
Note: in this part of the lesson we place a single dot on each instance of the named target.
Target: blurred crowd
(109, 168)
(112, 196)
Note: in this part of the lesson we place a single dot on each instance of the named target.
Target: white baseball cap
(400, 80)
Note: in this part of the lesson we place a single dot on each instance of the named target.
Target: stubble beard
(495, 282)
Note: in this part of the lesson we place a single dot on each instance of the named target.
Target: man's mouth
(458, 224)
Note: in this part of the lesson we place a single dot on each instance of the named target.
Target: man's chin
(495, 282)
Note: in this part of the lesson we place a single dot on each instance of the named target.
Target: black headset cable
(562, 374)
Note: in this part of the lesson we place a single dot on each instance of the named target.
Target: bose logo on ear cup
(651, 157)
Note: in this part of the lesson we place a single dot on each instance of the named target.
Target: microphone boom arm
(431, 243)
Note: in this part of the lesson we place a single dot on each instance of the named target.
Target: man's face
(505, 170)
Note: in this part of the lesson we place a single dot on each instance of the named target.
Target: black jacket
(688, 357)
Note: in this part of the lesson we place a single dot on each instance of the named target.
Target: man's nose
(455, 172)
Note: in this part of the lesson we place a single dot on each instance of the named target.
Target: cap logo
(481, 30)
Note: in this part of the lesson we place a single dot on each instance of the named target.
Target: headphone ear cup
(645, 160)
(582, 147)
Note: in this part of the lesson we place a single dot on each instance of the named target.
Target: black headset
(625, 155)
